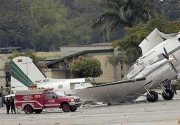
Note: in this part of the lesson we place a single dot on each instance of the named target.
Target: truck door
(50, 100)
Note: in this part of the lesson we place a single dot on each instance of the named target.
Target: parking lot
(139, 113)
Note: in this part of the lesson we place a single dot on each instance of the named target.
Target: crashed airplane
(160, 61)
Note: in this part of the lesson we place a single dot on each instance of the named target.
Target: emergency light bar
(19, 60)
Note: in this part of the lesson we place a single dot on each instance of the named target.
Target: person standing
(1, 103)
(7, 105)
(1, 100)
(2, 95)
(12, 105)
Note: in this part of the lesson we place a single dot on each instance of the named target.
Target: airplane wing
(152, 40)
(112, 92)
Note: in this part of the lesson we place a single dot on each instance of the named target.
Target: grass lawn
(46, 55)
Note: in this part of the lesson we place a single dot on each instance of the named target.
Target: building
(69, 50)
(60, 68)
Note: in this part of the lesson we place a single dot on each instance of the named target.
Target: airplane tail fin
(24, 72)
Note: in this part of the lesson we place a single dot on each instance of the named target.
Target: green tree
(64, 23)
(86, 67)
(53, 22)
(15, 24)
(81, 14)
(163, 25)
(171, 9)
(125, 13)
(115, 61)
(129, 44)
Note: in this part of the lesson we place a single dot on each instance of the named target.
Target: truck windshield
(59, 93)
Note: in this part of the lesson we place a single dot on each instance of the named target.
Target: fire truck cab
(36, 100)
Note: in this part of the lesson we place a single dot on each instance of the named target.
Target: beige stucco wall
(108, 71)
(48, 73)
(55, 74)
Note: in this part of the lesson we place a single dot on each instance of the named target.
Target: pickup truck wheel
(28, 109)
(38, 111)
(73, 109)
(65, 107)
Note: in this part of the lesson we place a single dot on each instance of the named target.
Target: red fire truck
(36, 100)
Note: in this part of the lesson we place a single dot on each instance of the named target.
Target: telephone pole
(32, 15)
(32, 18)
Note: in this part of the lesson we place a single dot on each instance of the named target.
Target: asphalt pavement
(139, 112)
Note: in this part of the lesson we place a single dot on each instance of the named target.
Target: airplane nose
(171, 59)
(171, 65)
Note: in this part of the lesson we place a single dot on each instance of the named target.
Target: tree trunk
(115, 77)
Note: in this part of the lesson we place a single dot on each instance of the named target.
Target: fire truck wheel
(38, 111)
(65, 107)
(73, 109)
(28, 109)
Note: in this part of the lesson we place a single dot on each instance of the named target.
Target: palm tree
(114, 61)
(125, 13)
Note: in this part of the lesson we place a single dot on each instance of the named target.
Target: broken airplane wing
(119, 91)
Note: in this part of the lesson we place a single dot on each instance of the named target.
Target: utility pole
(32, 8)
(32, 14)
(162, 4)
(32, 17)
